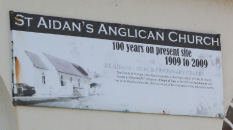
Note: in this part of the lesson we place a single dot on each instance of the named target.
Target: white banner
(59, 70)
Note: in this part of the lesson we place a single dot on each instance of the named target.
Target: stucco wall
(209, 16)
(7, 114)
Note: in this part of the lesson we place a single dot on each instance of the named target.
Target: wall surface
(7, 114)
(209, 16)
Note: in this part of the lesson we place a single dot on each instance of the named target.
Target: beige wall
(207, 16)
(7, 114)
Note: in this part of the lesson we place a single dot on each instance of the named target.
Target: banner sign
(74, 63)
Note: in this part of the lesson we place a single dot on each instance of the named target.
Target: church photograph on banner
(81, 64)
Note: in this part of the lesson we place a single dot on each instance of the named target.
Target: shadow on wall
(7, 113)
(228, 121)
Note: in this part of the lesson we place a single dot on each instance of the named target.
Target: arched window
(61, 79)
(79, 82)
(71, 79)
(43, 79)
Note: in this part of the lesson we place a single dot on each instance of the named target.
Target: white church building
(51, 76)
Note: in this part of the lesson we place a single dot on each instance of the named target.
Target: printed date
(177, 61)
